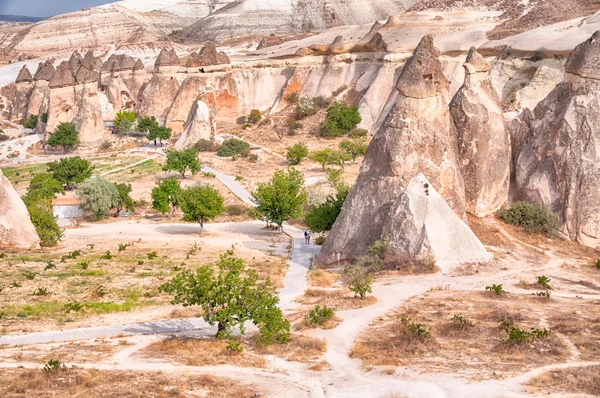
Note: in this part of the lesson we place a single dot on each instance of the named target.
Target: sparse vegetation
(359, 280)
(497, 289)
(233, 147)
(319, 316)
(544, 282)
(296, 153)
(340, 120)
(206, 146)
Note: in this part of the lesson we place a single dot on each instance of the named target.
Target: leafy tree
(147, 124)
(97, 196)
(44, 222)
(321, 217)
(166, 195)
(182, 161)
(281, 198)
(124, 121)
(296, 153)
(70, 171)
(44, 186)
(65, 135)
(232, 147)
(230, 298)
(340, 119)
(31, 122)
(329, 156)
(201, 203)
(160, 133)
(354, 148)
(337, 158)
(125, 201)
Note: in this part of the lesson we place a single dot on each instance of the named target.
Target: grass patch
(575, 380)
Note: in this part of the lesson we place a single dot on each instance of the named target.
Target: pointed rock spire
(45, 71)
(584, 60)
(167, 57)
(24, 75)
(475, 63)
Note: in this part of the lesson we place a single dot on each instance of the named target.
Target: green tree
(44, 222)
(340, 119)
(31, 122)
(321, 217)
(125, 201)
(200, 204)
(70, 171)
(255, 116)
(329, 156)
(296, 153)
(124, 121)
(354, 148)
(230, 298)
(65, 135)
(97, 196)
(281, 198)
(182, 161)
(165, 196)
(359, 280)
(160, 133)
(147, 124)
(44, 186)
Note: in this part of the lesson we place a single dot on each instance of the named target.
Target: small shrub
(320, 240)
(495, 288)
(234, 346)
(100, 291)
(255, 116)
(232, 147)
(31, 122)
(414, 328)
(4, 137)
(292, 97)
(544, 282)
(359, 280)
(358, 133)
(380, 248)
(543, 294)
(140, 262)
(246, 126)
(598, 264)
(73, 306)
(124, 246)
(54, 366)
(84, 265)
(308, 107)
(15, 285)
(296, 153)
(106, 145)
(253, 158)
(239, 178)
(340, 119)
(49, 265)
(107, 256)
(319, 315)
(533, 218)
(206, 146)
(152, 255)
(28, 275)
(236, 210)
(241, 120)
(41, 291)
(460, 321)
(294, 127)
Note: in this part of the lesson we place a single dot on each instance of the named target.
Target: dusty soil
(575, 380)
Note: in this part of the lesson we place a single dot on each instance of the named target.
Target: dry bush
(322, 278)
(340, 299)
(405, 265)
(201, 352)
(582, 326)
(299, 349)
(82, 383)
(575, 380)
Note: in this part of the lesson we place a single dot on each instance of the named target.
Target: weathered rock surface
(24, 75)
(24, 88)
(418, 223)
(16, 229)
(418, 136)
(167, 58)
(121, 81)
(200, 125)
(208, 55)
(483, 141)
(557, 164)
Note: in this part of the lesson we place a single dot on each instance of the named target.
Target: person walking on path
(307, 237)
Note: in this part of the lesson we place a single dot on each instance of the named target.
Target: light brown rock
(45, 71)
(557, 164)
(63, 76)
(166, 58)
(16, 229)
(24, 75)
(418, 136)
(483, 141)
(199, 125)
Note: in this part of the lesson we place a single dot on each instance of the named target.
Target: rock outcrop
(418, 136)
(158, 95)
(24, 88)
(483, 141)
(558, 161)
(207, 56)
(40, 96)
(16, 229)
(121, 80)
(200, 125)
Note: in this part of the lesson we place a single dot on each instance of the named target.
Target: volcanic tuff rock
(483, 141)
(418, 136)
(208, 55)
(200, 125)
(121, 81)
(558, 162)
(24, 88)
(24, 75)
(16, 229)
(167, 57)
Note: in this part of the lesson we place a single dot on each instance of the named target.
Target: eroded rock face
(24, 88)
(121, 80)
(167, 61)
(205, 57)
(418, 136)
(200, 125)
(16, 229)
(558, 163)
(483, 141)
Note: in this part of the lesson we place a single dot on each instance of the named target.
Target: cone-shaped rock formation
(16, 229)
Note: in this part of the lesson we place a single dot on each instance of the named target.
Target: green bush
(255, 116)
(44, 118)
(544, 282)
(495, 288)
(598, 264)
(358, 133)
(45, 223)
(232, 147)
(31, 122)
(308, 107)
(320, 240)
(414, 328)
(319, 315)
(359, 280)
(206, 146)
(354, 148)
(534, 218)
(296, 153)
(340, 119)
